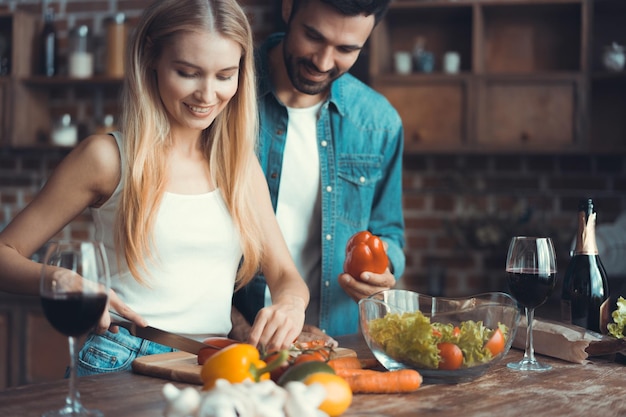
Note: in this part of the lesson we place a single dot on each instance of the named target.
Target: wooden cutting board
(183, 366)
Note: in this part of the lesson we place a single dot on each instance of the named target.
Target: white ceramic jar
(613, 57)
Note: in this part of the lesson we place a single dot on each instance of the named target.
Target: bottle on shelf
(585, 285)
(49, 45)
(115, 45)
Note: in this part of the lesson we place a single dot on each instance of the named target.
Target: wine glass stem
(529, 353)
(72, 399)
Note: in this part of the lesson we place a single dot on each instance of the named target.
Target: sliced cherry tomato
(309, 344)
(456, 332)
(451, 356)
(320, 355)
(214, 345)
(496, 342)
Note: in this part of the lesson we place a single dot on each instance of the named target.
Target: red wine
(73, 314)
(585, 285)
(529, 288)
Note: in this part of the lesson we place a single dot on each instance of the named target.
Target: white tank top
(196, 255)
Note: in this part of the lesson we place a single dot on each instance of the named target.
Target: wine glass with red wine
(75, 283)
(531, 272)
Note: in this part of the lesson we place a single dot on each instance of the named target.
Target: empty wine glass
(531, 272)
(74, 288)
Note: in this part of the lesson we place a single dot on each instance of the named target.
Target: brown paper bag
(565, 341)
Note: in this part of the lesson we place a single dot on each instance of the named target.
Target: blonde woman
(177, 196)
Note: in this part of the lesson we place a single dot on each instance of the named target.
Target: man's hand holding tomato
(366, 266)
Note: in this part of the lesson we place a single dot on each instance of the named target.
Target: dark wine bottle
(585, 285)
(49, 45)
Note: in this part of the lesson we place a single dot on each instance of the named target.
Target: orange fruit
(338, 392)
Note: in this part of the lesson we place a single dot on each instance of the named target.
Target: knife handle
(117, 320)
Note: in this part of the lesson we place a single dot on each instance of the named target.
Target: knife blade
(153, 334)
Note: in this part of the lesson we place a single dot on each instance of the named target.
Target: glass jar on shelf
(80, 56)
(64, 132)
(106, 125)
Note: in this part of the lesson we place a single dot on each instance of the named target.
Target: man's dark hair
(378, 8)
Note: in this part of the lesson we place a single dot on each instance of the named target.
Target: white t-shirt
(191, 278)
(299, 201)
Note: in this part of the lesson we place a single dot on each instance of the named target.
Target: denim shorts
(112, 352)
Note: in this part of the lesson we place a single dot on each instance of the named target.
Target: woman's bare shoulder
(101, 156)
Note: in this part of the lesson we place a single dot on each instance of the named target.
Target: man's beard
(295, 67)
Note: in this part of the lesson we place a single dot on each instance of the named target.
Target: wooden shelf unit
(530, 78)
(23, 111)
(26, 97)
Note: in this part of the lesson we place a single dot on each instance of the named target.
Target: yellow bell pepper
(236, 363)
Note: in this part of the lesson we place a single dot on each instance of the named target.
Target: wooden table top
(595, 388)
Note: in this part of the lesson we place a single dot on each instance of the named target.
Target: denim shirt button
(327, 283)
(324, 143)
(279, 132)
(362, 180)
(329, 237)
(274, 175)
(329, 188)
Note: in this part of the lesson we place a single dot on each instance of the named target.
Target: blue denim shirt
(360, 140)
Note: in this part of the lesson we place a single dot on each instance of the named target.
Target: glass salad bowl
(405, 329)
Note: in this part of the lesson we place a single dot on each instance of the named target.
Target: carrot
(352, 362)
(368, 381)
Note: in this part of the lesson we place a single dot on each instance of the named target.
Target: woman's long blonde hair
(229, 143)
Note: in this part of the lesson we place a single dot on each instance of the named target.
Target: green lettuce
(616, 329)
(412, 338)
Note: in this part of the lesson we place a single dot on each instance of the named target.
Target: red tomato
(214, 345)
(365, 252)
(451, 356)
(495, 344)
(277, 373)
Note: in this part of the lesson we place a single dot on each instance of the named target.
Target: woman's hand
(277, 326)
(116, 304)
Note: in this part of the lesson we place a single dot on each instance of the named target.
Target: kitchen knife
(157, 335)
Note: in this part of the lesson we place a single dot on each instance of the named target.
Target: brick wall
(460, 210)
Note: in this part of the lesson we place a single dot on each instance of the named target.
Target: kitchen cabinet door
(421, 107)
(31, 350)
(528, 115)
